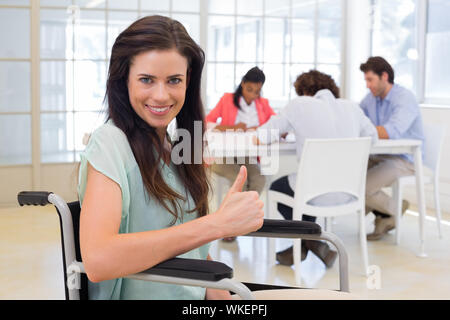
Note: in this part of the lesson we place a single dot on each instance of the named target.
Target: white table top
(240, 144)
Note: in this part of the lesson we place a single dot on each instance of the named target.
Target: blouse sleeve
(109, 153)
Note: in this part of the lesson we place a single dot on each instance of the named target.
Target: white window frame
(263, 16)
(35, 61)
(421, 39)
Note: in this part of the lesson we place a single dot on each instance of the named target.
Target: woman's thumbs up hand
(240, 212)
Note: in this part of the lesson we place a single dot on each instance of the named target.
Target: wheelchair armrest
(196, 269)
(181, 271)
(273, 228)
(195, 272)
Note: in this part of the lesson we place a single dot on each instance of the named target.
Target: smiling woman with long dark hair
(138, 207)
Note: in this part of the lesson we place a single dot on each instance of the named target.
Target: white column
(357, 47)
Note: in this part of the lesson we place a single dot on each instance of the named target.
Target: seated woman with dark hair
(242, 110)
(317, 113)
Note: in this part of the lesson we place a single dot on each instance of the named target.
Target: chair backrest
(332, 166)
(434, 140)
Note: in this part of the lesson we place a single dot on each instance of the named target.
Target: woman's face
(251, 91)
(157, 83)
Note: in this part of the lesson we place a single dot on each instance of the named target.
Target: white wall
(12, 181)
(57, 178)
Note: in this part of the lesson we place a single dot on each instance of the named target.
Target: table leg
(421, 198)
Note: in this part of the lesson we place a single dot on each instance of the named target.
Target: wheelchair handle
(35, 198)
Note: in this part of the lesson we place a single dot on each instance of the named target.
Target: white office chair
(434, 138)
(328, 166)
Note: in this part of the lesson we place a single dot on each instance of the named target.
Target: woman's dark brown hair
(308, 83)
(159, 33)
(255, 75)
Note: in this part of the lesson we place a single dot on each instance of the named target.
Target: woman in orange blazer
(244, 109)
(235, 113)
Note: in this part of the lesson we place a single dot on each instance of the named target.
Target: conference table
(238, 145)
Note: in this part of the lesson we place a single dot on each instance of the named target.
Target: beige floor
(31, 267)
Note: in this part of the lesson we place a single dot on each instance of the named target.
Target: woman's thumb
(240, 180)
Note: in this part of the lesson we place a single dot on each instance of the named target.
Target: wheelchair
(191, 272)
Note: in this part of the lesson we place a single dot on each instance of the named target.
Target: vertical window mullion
(316, 33)
(204, 20)
(35, 113)
(73, 80)
(343, 43)
(260, 37)
(421, 12)
(235, 43)
(372, 24)
(106, 28)
(285, 47)
(291, 9)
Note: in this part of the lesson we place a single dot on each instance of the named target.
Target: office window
(437, 54)
(394, 38)
(73, 62)
(15, 83)
(76, 38)
(120, 4)
(15, 2)
(15, 139)
(283, 38)
(117, 22)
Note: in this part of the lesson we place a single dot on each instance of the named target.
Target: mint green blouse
(109, 152)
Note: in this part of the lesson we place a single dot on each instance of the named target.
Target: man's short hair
(378, 65)
(309, 83)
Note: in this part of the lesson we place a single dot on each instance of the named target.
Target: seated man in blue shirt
(396, 114)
